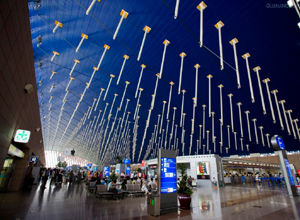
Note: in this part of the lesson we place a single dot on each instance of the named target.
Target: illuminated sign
(203, 171)
(287, 164)
(15, 151)
(128, 171)
(33, 159)
(280, 143)
(106, 171)
(126, 161)
(22, 136)
(168, 175)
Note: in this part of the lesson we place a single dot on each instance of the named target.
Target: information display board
(168, 175)
(167, 179)
(106, 171)
(203, 171)
(128, 171)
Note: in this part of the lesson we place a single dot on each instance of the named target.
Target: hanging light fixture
(83, 37)
(219, 25)
(201, 8)
(146, 30)
(233, 42)
(182, 55)
(123, 14)
(256, 69)
(91, 6)
(246, 56)
(57, 25)
(138, 85)
(122, 68)
(277, 105)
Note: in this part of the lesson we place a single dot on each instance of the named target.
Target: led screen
(168, 175)
(106, 171)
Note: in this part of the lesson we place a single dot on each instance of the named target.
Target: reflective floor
(75, 202)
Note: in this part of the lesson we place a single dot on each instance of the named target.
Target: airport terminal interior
(162, 109)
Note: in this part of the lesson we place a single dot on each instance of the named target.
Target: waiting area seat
(134, 189)
(101, 191)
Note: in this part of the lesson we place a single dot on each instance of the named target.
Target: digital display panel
(128, 171)
(168, 177)
(289, 171)
(106, 171)
(203, 171)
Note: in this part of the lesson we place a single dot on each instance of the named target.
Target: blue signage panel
(89, 164)
(287, 164)
(280, 143)
(106, 171)
(33, 159)
(168, 175)
(126, 161)
(128, 171)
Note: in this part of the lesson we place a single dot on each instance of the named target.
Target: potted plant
(183, 190)
(119, 159)
(113, 176)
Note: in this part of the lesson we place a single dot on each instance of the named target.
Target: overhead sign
(126, 161)
(168, 175)
(67, 152)
(89, 164)
(277, 143)
(15, 151)
(33, 159)
(22, 136)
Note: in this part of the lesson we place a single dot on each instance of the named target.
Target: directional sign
(33, 159)
(277, 143)
(126, 161)
(280, 143)
(22, 136)
(168, 175)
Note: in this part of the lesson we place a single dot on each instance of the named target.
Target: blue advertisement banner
(287, 164)
(168, 178)
(128, 171)
(106, 171)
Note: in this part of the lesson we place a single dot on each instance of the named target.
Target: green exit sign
(22, 136)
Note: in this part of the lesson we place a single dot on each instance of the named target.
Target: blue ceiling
(268, 31)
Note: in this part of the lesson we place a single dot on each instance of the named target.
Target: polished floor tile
(75, 202)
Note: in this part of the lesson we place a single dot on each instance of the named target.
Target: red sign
(298, 172)
(143, 163)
